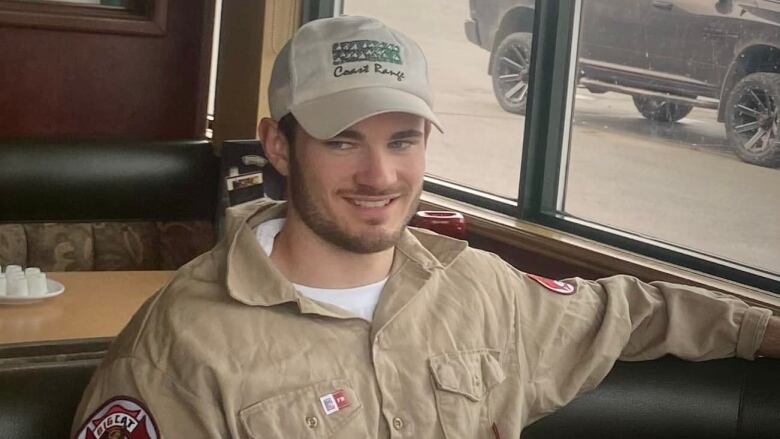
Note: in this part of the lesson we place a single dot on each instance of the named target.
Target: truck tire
(753, 119)
(511, 65)
(661, 110)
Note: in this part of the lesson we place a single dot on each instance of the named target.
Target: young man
(327, 317)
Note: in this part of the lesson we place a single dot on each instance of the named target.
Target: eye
(339, 145)
(399, 145)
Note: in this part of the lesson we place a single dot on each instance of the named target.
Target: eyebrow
(355, 135)
(406, 134)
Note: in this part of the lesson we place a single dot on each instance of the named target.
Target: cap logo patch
(555, 286)
(366, 50)
(371, 53)
(121, 417)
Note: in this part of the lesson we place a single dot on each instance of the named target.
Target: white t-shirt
(360, 301)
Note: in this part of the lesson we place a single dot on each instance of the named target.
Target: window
(647, 153)
(651, 126)
(477, 129)
(210, 113)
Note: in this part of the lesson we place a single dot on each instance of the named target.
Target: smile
(373, 203)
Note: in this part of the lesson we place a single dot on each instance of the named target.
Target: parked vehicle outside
(669, 55)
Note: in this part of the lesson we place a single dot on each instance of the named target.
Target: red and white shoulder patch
(555, 286)
(121, 417)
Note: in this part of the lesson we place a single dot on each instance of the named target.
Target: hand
(770, 346)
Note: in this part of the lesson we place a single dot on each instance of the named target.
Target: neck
(310, 260)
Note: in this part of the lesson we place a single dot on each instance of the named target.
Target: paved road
(678, 183)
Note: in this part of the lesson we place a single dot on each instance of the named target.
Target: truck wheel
(511, 64)
(661, 110)
(753, 119)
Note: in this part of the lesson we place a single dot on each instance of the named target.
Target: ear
(276, 147)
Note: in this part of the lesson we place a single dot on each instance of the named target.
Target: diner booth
(109, 183)
(147, 208)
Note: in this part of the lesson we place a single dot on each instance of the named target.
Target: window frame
(545, 144)
(141, 17)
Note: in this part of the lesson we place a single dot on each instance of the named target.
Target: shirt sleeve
(128, 393)
(575, 338)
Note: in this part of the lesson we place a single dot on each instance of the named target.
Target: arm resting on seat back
(770, 346)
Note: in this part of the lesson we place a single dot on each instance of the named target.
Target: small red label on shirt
(119, 417)
(333, 402)
(555, 286)
(341, 399)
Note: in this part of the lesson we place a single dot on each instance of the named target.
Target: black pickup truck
(669, 55)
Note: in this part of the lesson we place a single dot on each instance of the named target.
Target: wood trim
(282, 19)
(238, 69)
(250, 39)
(85, 18)
(591, 255)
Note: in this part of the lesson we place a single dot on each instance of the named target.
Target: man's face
(359, 189)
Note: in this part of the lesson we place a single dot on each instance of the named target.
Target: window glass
(675, 129)
(482, 144)
(213, 66)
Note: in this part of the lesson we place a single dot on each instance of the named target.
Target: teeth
(381, 203)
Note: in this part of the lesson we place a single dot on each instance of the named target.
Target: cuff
(751, 333)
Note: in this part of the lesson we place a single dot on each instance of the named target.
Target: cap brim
(327, 116)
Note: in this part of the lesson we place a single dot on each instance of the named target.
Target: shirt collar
(252, 279)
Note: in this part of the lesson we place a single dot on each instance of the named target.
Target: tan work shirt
(460, 342)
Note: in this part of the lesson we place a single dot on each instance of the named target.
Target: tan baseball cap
(335, 72)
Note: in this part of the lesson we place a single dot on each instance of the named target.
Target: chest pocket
(462, 382)
(322, 410)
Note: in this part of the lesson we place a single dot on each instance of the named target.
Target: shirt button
(398, 423)
(312, 421)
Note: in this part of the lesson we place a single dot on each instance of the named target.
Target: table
(94, 304)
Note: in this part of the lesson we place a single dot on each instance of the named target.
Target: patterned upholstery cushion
(126, 246)
(13, 245)
(182, 241)
(60, 246)
(105, 245)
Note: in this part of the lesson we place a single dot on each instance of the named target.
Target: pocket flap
(471, 374)
(315, 411)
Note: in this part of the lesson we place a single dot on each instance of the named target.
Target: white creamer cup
(36, 284)
(11, 269)
(16, 285)
(29, 270)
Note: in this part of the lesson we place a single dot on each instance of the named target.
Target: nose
(376, 169)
